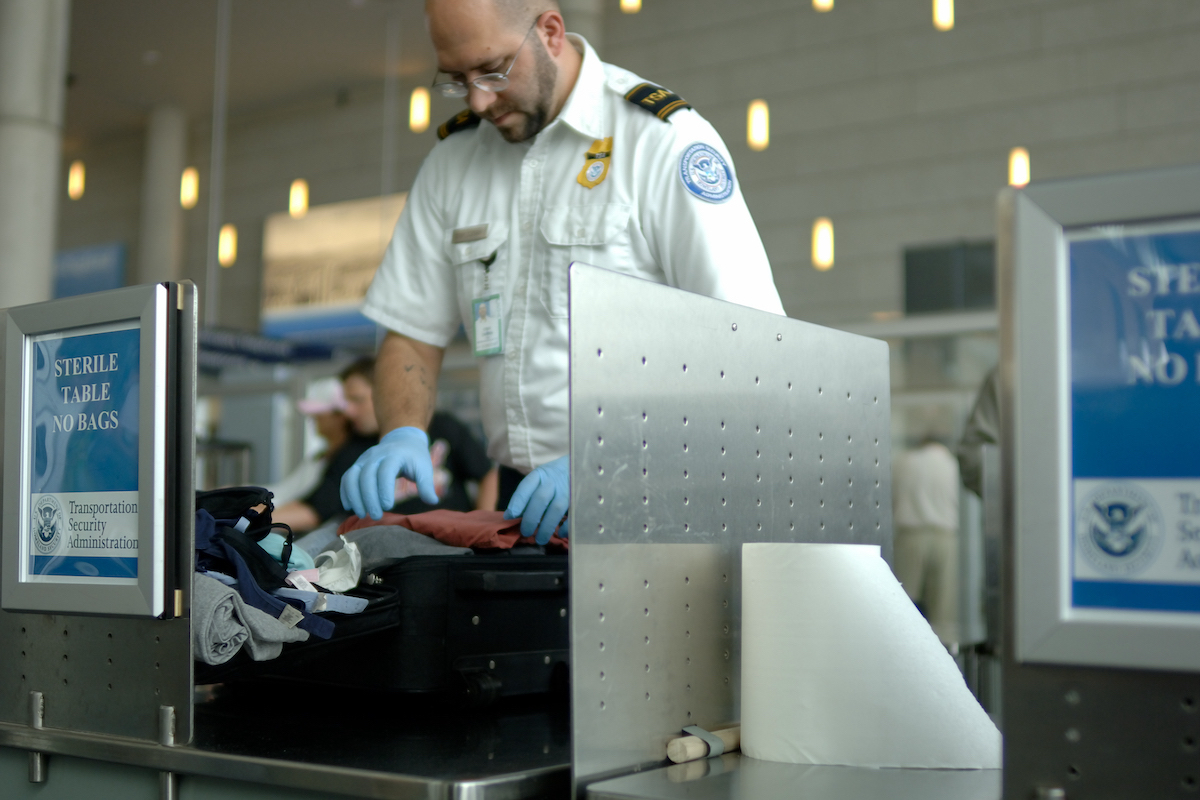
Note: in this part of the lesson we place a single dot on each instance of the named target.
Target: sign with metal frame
(1100, 296)
(85, 454)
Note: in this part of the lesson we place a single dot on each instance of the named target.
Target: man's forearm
(406, 373)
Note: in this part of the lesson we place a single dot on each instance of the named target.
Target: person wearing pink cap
(326, 403)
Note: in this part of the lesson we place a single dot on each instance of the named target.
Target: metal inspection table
(734, 776)
(351, 743)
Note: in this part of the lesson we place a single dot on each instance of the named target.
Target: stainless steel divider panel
(697, 425)
(111, 675)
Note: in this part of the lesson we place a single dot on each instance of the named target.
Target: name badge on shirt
(486, 314)
(474, 233)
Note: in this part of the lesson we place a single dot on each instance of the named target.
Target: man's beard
(537, 117)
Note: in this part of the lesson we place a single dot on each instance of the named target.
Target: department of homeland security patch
(1119, 529)
(47, 523)
(705, 174)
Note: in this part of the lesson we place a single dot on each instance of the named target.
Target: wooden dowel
(690, 748)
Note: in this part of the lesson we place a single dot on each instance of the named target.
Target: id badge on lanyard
(487, 317)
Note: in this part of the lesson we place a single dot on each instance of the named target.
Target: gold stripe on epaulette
(671, 108)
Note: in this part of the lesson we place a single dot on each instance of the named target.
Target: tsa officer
(558, 157)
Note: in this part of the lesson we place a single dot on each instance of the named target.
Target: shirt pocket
(594, 234)
(480, 264)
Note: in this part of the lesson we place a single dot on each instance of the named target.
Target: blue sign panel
(89, 269)
(1135, 444)
(83, 490)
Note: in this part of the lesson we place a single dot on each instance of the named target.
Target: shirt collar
(585, 110)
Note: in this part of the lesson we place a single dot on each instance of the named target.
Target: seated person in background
(458, 457)
(323, 501)
(325, 404)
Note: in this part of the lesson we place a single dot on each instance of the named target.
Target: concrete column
(160, 250)
(586, 17)
(33, 64)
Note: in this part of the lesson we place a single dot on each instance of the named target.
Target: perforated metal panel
(697, 425)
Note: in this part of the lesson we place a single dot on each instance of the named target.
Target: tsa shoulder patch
(705, 173)
(657, 100)
(459, 122)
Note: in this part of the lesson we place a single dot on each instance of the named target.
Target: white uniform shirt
(925, 488)
(640, 219)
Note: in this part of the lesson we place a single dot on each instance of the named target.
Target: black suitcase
(494, 625)
(498, 623)
(484, 625)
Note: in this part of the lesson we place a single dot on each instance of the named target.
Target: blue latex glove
(541, 500)
(369, 487)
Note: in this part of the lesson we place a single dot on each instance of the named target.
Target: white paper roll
(839, 667)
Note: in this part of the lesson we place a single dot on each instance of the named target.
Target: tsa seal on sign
(705, 173)
(1119, 529)
(46, 524)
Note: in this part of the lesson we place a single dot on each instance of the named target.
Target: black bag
(494, 625)
(242, 526)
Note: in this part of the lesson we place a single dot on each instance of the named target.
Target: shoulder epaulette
(657, 100)
(459, 122)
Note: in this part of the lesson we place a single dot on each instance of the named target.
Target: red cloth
(486, 530)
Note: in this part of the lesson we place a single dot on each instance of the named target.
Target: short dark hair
(363, 368)
(521, 13)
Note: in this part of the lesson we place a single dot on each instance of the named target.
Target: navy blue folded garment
(220, 546)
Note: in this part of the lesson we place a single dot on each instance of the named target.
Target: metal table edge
(375, 784)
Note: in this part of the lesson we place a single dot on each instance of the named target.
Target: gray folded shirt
(222, 624)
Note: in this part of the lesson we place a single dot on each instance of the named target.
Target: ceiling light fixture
(1018, 167)
(823, 5)
(298, 198)
(189, 188)
(822, 244)
(943, 14)
(75, 176)
(227, 245)
(418, 110)
(758, 125)
(631, 6)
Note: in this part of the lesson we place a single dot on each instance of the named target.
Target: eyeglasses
(492, 82)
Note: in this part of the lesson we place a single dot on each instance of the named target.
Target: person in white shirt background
(558, 157)
(925, 546)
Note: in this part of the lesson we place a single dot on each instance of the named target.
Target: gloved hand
(369, 486)
(541, 500)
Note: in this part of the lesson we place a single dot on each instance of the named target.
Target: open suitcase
(487, 625)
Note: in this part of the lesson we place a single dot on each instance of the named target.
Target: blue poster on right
(1135, 436)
